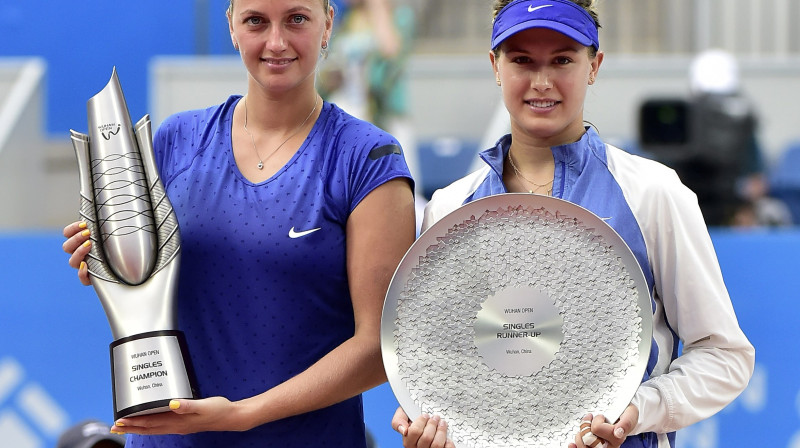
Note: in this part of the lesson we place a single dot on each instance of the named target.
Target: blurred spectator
(714, 77)
(711, 141)
(757, 209)
(90, 434)
(727, 152)
(365, 72)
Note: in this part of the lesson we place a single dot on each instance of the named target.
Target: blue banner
(54, 338)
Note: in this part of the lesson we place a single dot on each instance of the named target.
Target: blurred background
(709, 87)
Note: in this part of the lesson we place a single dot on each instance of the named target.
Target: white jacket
(660, 220)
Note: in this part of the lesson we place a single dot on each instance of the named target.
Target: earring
(236, 46)
(591, 79)
(324, 44)
(497, 80)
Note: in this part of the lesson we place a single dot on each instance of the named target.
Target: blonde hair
(325, 4)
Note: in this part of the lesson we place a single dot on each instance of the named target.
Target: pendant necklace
(260, 165)
(520, 178)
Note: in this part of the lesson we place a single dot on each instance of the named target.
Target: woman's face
(280, 40)
(544, 76)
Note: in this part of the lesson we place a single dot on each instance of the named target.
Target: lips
(542, 103)
(278, 61)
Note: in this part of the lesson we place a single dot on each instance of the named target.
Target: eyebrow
(249, 12)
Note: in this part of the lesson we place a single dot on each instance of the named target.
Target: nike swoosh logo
(606, 219)
(532, 9)
(294, 234)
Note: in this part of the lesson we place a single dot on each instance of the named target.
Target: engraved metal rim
(478, 208)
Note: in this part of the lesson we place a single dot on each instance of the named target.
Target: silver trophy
(135, 255)
(512, 317)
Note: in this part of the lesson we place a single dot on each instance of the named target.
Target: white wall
(184, 83)
(773, 85)
(451, 96)
(38, 177)
(457, 95)
(21, 183)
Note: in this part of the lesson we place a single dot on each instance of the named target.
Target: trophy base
(148, 370)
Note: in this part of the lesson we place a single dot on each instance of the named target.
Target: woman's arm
(389, 41)
(692, 300)
(379, 232)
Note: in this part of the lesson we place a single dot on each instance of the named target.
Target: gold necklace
(260, 160)
(520, 177)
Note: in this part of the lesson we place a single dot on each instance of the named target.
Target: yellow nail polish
(118, 432)
(174, 404)
(82, 225)
(87, 243)
(119, 424)
(82, 266)
(86, 233)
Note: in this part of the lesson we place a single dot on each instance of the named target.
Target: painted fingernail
(82, 225)
(82, 266)
(589, 439)
(87, 243)
(174, 404)
(619, 432)
(86, 233)
(119, 424)
(118, 432)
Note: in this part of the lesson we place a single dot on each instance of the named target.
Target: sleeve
(160, 144)
(169, 152)
(375, 161)
(437, 208)
(717, 359)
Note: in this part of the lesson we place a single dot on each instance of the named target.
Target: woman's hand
(608, 435)
(78, 245)
(186, 417)
(424, 432)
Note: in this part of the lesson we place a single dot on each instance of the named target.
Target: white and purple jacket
(658, 217)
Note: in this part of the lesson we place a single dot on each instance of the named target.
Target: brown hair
(588, 5)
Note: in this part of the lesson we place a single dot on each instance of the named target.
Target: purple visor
(558, 15)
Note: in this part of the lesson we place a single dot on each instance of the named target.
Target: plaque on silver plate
(514, 316)
(135, 254)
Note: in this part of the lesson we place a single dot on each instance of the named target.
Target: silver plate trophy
(133, 263)
(514, 316)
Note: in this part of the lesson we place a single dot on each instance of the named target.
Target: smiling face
(544, 76)
(280, 40)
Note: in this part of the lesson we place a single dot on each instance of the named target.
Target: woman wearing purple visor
(545, 54)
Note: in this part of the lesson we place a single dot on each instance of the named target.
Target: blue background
(56, 329)
(82, 40)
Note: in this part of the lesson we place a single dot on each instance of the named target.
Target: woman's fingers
(78, 245)
(77, 234)
(83, 274)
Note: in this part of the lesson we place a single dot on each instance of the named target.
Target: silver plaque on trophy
(135, 255)
(514, 316)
